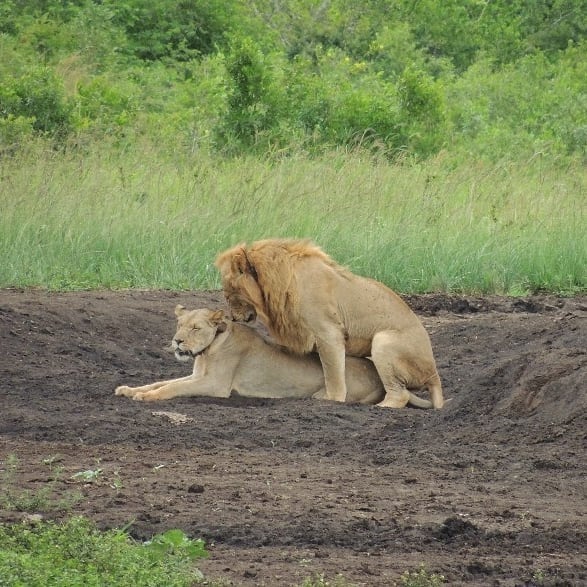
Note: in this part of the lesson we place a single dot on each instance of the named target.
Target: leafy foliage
(421, 578)
(37, 95)
(251, 107)
(75, 553)
(184, 30)
(492, 79)
(175, 542)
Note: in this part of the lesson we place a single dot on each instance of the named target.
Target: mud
(491, 490)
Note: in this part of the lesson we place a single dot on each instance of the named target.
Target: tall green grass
(136, 218)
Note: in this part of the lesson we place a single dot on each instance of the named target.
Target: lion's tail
(435, 389)
(418, 402)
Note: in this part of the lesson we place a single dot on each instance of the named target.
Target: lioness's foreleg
(188, 387)
(127, 391)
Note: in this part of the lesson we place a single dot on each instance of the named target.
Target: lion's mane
(274, 261)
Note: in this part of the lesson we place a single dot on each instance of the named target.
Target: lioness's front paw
(124, 390)
(144, 396)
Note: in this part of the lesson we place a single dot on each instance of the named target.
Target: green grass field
(111, 219)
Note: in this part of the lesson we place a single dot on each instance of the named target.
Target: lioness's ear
(179, 310)
(217, 317)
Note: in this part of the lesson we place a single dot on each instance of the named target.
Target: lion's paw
(145, 396)
(124, 390)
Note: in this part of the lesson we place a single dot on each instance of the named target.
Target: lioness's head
(196, 330)
(240, 283)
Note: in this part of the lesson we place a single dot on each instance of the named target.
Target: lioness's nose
(177, 341)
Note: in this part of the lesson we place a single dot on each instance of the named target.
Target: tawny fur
(309, 302)
(233, 357)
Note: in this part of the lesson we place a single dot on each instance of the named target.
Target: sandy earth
(490, 490)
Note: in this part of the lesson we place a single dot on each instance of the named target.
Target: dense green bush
(423, 112)
(532, 105)
(36, 95)
(100, 102)
(158, 29)
(492, 79)
(363, 108)
(14, 130)
(251, 99)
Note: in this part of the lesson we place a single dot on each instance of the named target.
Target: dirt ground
(491, 490)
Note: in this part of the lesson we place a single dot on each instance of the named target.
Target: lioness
(308, 302)
(234, 357)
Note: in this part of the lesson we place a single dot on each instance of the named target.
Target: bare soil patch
(488, 491)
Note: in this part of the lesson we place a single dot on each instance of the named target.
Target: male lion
(234, 357)
(308, 302)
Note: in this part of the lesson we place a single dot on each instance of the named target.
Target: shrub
(421, 578)
(14, 130)
(100, 102)
(38, 95)
(423, 114)
(165, 29)
(336, 101)
(75, 554)
(251, 104)
(516, 110)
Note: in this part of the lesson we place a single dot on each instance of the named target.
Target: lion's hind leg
(320, 394)
(386, 355)
(400, 365)
(395, 397)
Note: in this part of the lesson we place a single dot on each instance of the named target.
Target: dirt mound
(489, 490)
(520, 359)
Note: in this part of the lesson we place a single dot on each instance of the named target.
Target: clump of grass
(44, 499)
(75, 553)
(421, 578)
(117, 219)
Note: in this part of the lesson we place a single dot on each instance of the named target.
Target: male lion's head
(240, 283)
(263, 280)
(196, 330)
